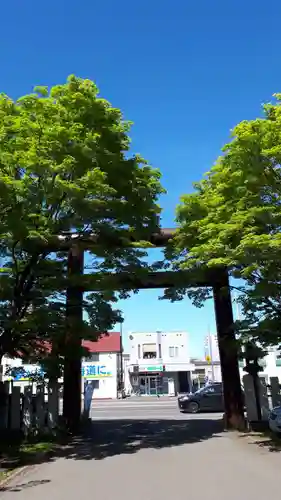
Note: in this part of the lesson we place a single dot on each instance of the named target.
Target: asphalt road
(147, 449)
(143, 408)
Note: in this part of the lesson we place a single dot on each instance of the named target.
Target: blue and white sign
(26, 373)
(94, 370)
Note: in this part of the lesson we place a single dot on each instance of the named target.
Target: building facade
(99, 368)
(271, 365)
(159, 363)
(207, 371)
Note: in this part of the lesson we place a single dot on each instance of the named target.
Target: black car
(208, 398)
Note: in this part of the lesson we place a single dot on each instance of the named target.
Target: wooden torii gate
(218, 280)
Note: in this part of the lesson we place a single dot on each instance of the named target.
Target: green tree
(65, 167)
(233, 220)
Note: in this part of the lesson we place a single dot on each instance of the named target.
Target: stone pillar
(53, 405)
(252, 408)
(233, 399)
(263, 394)
(250, 398)
(72, 363)
(275, 391)
(27, 410)
(40, 408)
(15, 409)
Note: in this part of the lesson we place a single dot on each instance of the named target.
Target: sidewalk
(155, 461)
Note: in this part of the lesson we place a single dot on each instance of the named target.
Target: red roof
(110, 342)
(107, 342)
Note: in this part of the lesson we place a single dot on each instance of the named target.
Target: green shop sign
(158, 368)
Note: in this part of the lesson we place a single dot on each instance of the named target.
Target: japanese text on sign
(95, 371)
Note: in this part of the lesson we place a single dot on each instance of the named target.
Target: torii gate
(218, 280)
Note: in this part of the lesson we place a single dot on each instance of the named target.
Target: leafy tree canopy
(233, 219)
(65, 166)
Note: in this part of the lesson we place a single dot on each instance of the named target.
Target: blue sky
(185, 73)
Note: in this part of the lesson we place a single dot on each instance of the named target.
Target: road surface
(141, 449)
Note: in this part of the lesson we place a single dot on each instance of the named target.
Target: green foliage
(64, 167)
(233, 219)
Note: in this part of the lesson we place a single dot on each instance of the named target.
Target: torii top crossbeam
(87, 240)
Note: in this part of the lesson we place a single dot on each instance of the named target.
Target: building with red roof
(109, 342)
(102, 368)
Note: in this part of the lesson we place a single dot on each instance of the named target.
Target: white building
(100, 368)
(159, 362)
(271, 365)
(207, 370)
(102, 375)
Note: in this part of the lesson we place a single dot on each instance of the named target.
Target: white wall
(107, 384)
(269, 370)
(166, 339)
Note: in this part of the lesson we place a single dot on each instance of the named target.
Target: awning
(148, 348)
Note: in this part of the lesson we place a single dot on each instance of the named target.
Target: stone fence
(260, 397)
(28, 411)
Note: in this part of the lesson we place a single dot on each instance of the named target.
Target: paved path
(164, 456)
(140, 408)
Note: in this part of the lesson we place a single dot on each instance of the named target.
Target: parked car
(208, 398)
(274, 420)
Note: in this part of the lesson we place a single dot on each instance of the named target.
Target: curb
(11, 475)
(23, 469)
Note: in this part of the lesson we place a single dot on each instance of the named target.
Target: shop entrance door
(155, 385)
(150, 386)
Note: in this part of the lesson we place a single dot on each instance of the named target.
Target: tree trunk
(233, 398)
(72, 362)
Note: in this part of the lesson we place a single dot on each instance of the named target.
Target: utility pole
(211, 353)
(121, 359)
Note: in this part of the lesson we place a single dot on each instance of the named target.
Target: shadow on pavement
(265, 440)
(109, 438)
(24, 486)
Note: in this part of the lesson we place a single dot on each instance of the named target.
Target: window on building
(149, 351)
(278, 361)
(139, 351)
(160, 350)
(173, 352)
(93, 357)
